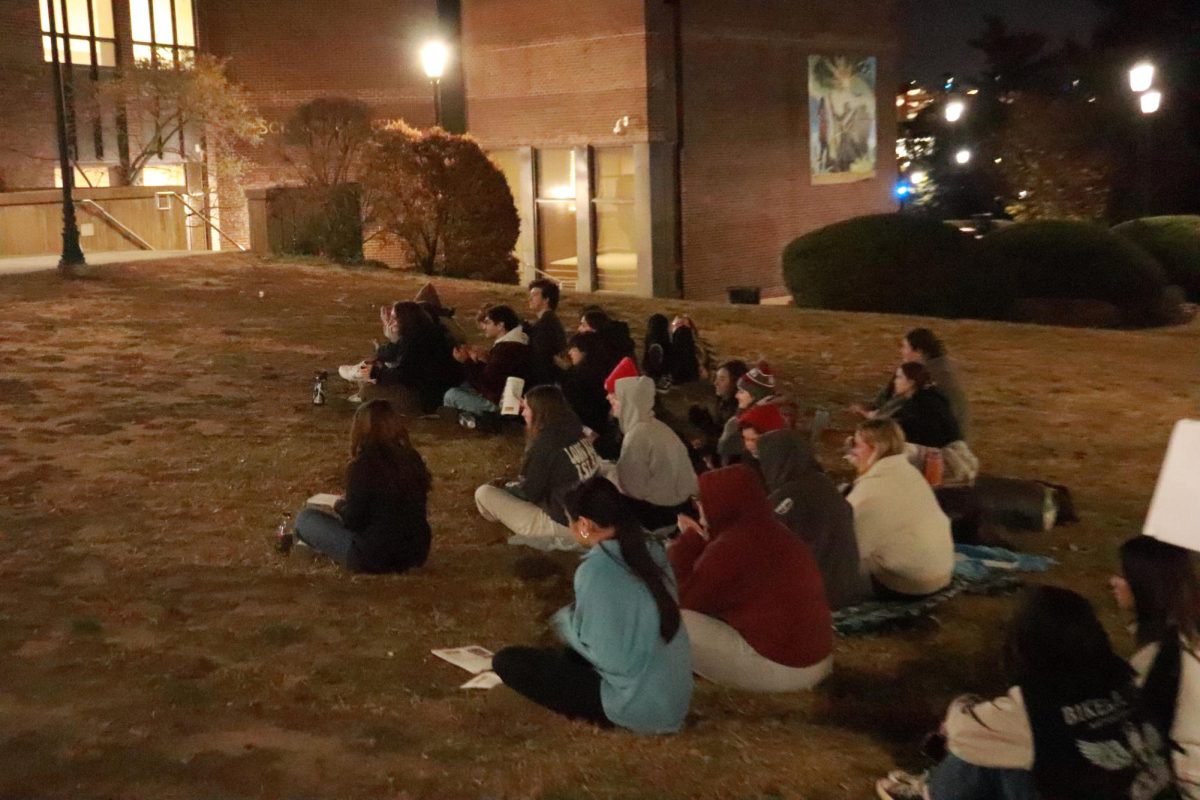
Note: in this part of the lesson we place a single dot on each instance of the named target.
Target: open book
(323, 502)
(472, 658)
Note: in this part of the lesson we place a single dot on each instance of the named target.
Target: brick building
(654, 146)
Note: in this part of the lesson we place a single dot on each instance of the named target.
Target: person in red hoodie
(754, 605)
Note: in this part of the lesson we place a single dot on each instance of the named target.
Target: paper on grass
(484, 680)
(472, 658)
(1174, 514)
(323, 500)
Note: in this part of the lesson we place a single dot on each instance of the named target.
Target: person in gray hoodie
(557, 459)
(808, 503)
(654, 469)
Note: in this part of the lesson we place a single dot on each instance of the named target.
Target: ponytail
(598, 500)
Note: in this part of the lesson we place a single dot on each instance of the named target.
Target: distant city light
(1151, 101)
(1141, 77)
(919, 176)
(963, 156)
(972, 92)
(903, 189)
(1021, 195)
(954, 110)
(997, 160)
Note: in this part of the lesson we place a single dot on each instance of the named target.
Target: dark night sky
(937, 30)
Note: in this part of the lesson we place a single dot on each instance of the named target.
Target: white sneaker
(355, 398)
(349, 372)
(901, 786)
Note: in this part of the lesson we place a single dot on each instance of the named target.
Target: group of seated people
(724, 555)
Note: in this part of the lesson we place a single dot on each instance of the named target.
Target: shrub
(1081, 261)
(440, 196)
(894, 263)
(1175, 242)
(317, 221)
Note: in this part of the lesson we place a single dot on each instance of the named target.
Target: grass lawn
(155, 423)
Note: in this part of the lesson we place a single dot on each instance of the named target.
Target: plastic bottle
(318, 390)
(935, 467)
(284, 538)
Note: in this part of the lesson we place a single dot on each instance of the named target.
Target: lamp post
(434, 57)
(72, 253)
(1141, 83)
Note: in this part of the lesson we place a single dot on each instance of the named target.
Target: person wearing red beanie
(625, 368)
(756, 421)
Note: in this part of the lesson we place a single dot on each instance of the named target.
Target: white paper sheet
(473, 658)
(484, 680)
(1174, 514)
(323, 500)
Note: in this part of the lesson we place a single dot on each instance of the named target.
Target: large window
(163, 31)
(616, 220)
(84, 31)
(556, 214)
(509, 162)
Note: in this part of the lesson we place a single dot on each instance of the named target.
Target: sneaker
(468, 421)
(355, 398)
(900, 785)
(349, 372)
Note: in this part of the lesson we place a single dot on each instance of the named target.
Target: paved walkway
(18, 265)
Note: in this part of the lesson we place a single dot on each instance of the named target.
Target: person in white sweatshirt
(904, 540)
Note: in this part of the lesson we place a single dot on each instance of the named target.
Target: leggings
(555, 677)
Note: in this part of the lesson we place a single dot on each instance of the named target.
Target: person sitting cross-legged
(380, 525)
(752, 597)
(547, 339)
(626, 660)
(479, 397)
(557, 459)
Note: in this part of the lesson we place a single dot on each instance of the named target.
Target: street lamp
(1141, 77)
(1151, 101)
(72, 254)
(434, 57)
(954, 110)
(962, 157)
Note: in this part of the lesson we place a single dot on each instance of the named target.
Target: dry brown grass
(154, 424)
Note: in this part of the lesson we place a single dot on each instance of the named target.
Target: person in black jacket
(923, 412)
(583, 386)
(420, 357)
(547, 339)
(557, 459)
(656, 353)
(614, 333)
(380, 525)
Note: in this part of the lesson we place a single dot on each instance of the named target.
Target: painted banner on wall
(841, 113)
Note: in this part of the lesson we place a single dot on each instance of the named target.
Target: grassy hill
(155, 424)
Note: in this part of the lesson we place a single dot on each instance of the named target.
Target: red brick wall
(554, 72)
(287, 52)
(746, 184)
(28, 150)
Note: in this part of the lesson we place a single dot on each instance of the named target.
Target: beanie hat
(759, 382)
(764, 418)
(624, 369)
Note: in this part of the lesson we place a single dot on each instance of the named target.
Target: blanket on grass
(977, 570)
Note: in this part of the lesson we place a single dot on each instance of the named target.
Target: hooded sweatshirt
(509, 357)
(903, 536)
(557, 460)
(654, 465)
(753, 574)
(805, 499)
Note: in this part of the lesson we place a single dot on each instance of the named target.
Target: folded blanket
(977, 570)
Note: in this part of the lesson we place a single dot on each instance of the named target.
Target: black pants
(654, 517)
(558, 678)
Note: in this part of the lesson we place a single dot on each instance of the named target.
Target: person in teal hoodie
(627, 660)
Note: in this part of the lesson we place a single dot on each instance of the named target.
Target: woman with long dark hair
(557, 458)
(626, 660)
(1061, 731)
(380, 525)
(656, 349)
(420, 358)
(1158, 584)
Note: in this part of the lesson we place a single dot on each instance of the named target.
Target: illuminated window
(85, 177)
(163, 31)
(556, 213)
(163, 175)
(84, 31)
(509, 162)
(616, 220)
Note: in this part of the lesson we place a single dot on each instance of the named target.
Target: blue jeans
(325, 534)
(955, 779)
(464, 398)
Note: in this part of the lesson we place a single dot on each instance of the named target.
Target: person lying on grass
(557, 458)
(380, 525)
(903, 536)
(752, 597)
(1063, 730)
(626, 659)
(478, 398)
(1158, 584)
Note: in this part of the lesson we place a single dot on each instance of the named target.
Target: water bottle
(284, 538)
(318, 391)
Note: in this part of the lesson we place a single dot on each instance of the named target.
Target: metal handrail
(207, 221)
(566, 284)
(116, 223)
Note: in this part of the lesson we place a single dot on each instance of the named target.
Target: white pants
(531, 526)
(720, 654)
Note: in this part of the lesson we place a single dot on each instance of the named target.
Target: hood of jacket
(732, 496)
(516, 335)
(785, 456)
(636, 398)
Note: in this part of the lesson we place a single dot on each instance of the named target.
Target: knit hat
(428, 294)
(626, 368)
(758, 382)
(764, 418)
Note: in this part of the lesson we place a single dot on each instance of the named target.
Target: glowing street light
(1151, 101)
(962, 157)
(919, 176)
(434, 57)
(954, 110)
(1141, 77)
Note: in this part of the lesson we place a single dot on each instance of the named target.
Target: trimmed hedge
(896, 264)
(1080, 260)
(1175, 242)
